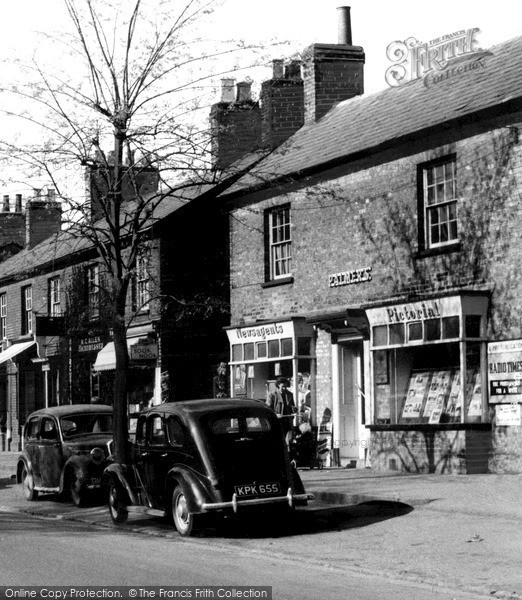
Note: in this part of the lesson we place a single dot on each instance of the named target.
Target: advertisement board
(505, 371)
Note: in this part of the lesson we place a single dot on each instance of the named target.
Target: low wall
(450, 448)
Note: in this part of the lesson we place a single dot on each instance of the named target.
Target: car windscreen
(86, 424)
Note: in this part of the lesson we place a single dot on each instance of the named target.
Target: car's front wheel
(117, 508)
(28, 485)
(183, 519)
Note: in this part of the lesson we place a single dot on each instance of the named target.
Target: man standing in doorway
(282, 401)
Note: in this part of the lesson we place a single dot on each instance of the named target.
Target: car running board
(153, 512)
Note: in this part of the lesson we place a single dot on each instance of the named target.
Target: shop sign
(505, 371)
(350, 277)
(508, 414)
(414, 311)
(90, 344)
(143, 352)
(258, 333)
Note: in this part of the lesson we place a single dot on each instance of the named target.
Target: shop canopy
(15, 349)
(106, 359)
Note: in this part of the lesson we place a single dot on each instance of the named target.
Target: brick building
(375, 258)
(55, 322)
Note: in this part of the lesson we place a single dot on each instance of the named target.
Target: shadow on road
(306, 522)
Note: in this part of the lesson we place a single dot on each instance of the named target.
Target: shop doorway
(350, 403)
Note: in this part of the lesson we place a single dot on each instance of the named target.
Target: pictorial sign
(505, 371)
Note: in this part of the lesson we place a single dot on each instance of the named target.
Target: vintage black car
(65, 450)
(197, 458)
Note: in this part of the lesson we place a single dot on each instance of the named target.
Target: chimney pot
(18, 203)
(6, 203)
(51, 194)
(227, 90)
(244, 91)
(344, 26)
(278, 71)
(293, 70)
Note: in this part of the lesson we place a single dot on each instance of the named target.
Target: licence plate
(257, 489)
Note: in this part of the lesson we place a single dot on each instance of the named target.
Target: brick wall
(282, 110)
(332, 73)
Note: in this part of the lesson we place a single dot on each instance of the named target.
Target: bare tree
(131, 77)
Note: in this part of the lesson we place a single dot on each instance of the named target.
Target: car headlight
(97, 455)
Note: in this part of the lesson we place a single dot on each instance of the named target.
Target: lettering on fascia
(401, 314)
(350, 277)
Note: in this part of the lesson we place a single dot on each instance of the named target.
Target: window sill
(430, 427)
(438, 251)
(276, 282)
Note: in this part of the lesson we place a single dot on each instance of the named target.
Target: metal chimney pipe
(344, 26)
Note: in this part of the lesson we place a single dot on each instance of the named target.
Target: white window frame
(280, 242)
(93, 291)
(440, 203)
(142, 282)
(27, 305)
(54, 297)
(3, 316)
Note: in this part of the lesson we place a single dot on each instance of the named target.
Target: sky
(299, 23)
(375, 24)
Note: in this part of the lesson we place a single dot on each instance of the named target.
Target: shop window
(473, 323)
(261, 349)
(279, 250)
(380, 335)
(432, 330)
(415, 331)
(249, 352)
(273, 349)
(304, 346)
(237, 352)
(286, 347)
(397, 333)
(438, 214)
(450, 327)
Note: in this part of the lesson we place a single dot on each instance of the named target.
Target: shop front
(144, 381)
(428, 370)
(262, 352)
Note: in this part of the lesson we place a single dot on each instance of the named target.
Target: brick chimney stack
(282, 103)
(235, 123)
(43, 218)
(332, 72)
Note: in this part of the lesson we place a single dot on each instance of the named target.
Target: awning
(106, 359)
(15, 349)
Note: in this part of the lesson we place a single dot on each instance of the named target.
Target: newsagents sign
(505, 371)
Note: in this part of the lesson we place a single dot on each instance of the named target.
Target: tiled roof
(365, 122)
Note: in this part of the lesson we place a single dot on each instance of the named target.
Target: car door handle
(164, 455)
(144, 454)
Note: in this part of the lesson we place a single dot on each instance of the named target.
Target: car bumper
(291, 499)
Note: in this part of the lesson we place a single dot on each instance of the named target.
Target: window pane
(432, 329)
(273, 349)
(261, 349)
(237, 352)
(450, 327)
(397, 333)
(380, 335)
(249, 352)
(473, 325)
(415, 331)
(304, 346)
(286, 347)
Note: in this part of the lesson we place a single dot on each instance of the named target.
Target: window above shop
(278, 237)
(438, 223)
